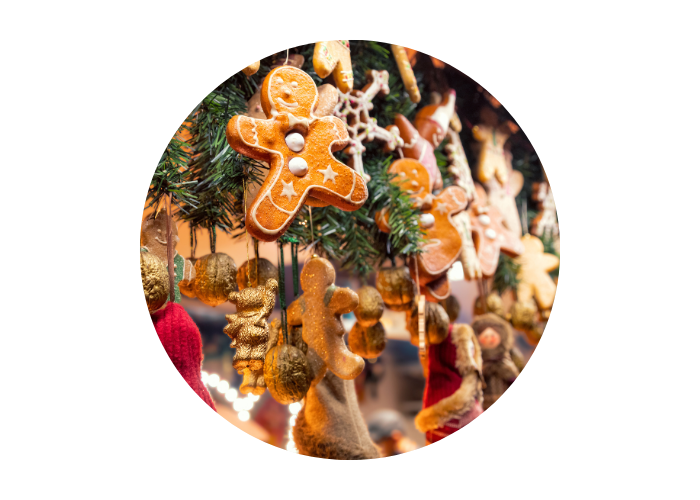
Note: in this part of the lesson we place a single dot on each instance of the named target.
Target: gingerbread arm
(244, 133)
(343, 301)
(295, 311)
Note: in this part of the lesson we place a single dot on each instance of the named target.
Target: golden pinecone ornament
(396, 288)
(215, 278)
(155, 281)
(260, 272)
(371, 306)
(367, 341)
(437, 323)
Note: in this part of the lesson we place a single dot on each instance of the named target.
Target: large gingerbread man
(298, 145)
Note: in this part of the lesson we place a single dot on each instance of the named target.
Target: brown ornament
(155, 280)
(287, 373)
(260, 272)
(250, 333)
(187, 285)
(523, 315)
(437, 323)
(494, 304)
(215, 278)
(367, 341)
(451, 307)
(371, 306)
(396, 288)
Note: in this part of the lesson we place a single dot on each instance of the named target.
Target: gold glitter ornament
(371, 306)
(522, 315)
(260, 272)
(367, 341)
(250, 333)
(155, 281)
(494, 304)
(451, 307)
(396, 288)
(437, 323)
(187, 286)
(287, 373)
(215, 278)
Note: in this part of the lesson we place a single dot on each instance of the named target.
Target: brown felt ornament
(155, 281)
(437, 323)
(333, 56)
(250, 333)
(451, 307)
(215, 278)
(535, 266)
(396, 288)
(367, 341)
(261, 270)
(371, 306)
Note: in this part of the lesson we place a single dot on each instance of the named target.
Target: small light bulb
(238, 404)
(244, 416)
(292, 420)
(231, 395)
(248, 404)
(294, 408)
(222, 387)
(205, 376)
(213, 380)
(291, 447)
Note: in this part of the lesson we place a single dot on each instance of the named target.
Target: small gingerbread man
(535, 266)
(249, 332)
(298, 145)
(333, 56)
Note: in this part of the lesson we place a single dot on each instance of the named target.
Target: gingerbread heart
(491, 237)
(333, 56)
(298, 145)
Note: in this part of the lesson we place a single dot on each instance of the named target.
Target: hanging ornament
(333, 56)
(249, 332)
(287, 372)
(494, 304)
(491, 237)
(215, 278)
(367, 341)
(535, 266)
(298, 146)
(545, 224)
(251, 69)
(370, 307)
(459, 167)
(451, 307)
(155, 281)
(492, 136)
(437, 323)
(187, 284)
(406, 72)
(261, 270)
(502, 196)
(353, 109)
(396, 288)
(496, 339)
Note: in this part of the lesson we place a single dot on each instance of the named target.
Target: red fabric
(443, 381)
(181, 339)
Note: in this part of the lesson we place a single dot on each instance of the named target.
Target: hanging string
(171, 253)
(256, 251)
(193, 242)
(247, 236)
(287, 59)
(212, 238)
(295, 268)
(283, 305)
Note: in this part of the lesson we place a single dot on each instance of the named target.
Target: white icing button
(295, 141)
(427, 220)
(298, 166)
(490, 233)
(484, 220)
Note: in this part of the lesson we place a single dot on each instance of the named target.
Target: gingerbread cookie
(333, 56)
(353, 109)
(535, 266)
(459, 166)
(299, 147)
(545, 223)
(406, 72)
(492, 237)
(251, 69)
(502, 196)
(468, 257)
(492, 137)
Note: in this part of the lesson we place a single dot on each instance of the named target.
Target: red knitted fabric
(181, 339)
(444, 380)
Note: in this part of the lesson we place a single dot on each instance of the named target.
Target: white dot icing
(490, 233)
(427, 220)
(295, 141)
(298, 166)
(484, 220)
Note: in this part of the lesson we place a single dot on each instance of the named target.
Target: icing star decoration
(298, 145)
(535, 266)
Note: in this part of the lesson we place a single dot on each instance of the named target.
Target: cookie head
(414, 179)
(154, 232)
(317, 273)
(288, 90)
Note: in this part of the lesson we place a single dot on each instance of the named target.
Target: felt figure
(545, 223)
(491, 237)
(353, 109)
(260, 271)
(502, 196)
(425, 134)
(250, 333)
(215, 278)
(298, 146)
(333, 56)
(496, 340)
(492, 136)
(535, 266)
(453, 392)
(396, 287)
(155, 281)
(330, 424)
(406, 72)
(181, 339)
(154, 231)
(251, 69)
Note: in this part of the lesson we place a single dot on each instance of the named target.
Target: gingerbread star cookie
(535, 266)
(333, 56)
(298, 145)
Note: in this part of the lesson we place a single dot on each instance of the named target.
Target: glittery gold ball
(396, 288)
(367, 341)
(260, 272)
(287, 373)
(155, 280)
(437, 323)
(371, 306)
(451, 307)
(494, 304)
(216, 278)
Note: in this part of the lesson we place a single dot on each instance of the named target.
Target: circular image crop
(349, 250)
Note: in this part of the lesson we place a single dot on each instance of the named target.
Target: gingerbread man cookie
(492, 237)
(406, 72)
(502, 196)
(492, 137)
(545, 223)
(251, 69)
(333, 56)
(535, 266)
(298, 145)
